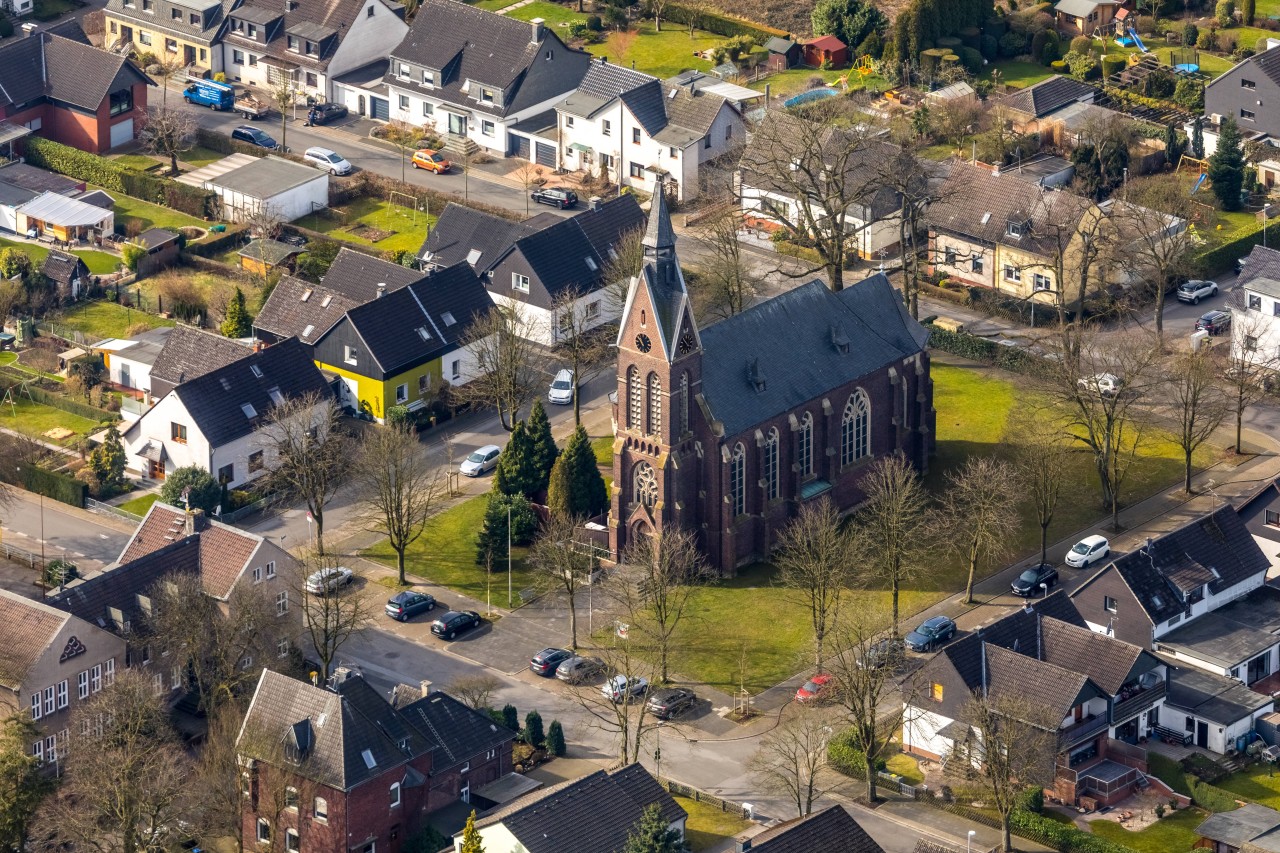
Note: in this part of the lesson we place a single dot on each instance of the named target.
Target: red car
(815, 689)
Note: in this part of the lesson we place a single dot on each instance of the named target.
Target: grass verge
(708, 826)
(140, 505)
(407, 235)
(107, 319)
(1259, 784)
(603, 449)
(663, 54)
(1173, 832)
(150, 215)
(35, 419)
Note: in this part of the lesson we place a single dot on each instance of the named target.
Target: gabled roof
(458, 732)
(357, 276)
(826, 43)
(1261, 272)
(1108, 662)
(189, 353)
(575, 252)
(832, 830)
(466, 234)
(298, 308)
(779, 45)
(62, 267)
(1049, 95)
(27, 629)
(593, 814)
(217, 401)
(116, 598)
(604, 82)
(1267, 62)
(1238, 826)
(223, 551)
(323, 22)
(63, 69)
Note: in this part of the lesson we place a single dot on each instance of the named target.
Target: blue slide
(1199, 181)
(1133, 34)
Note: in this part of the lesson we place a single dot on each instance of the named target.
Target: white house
(308, 43)
(1255, 328)
(246, 184)
(128, 361)
(640, 129)
(214, 421)
(470, 74)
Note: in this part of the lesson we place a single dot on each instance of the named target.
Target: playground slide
(1133, 34)
(1199, 181)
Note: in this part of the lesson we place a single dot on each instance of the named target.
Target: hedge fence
(965, 345)
(1033, 827)
(721, 23)
(1221, 257)
(51, 484)
(10, 376)
(216, 244)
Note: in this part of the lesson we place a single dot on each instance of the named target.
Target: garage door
(546, 155)
(380, 108)
(518, 146)
(121, 133)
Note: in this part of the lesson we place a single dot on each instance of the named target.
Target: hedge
(57, 401)
(60, 487)
(1223, 256)
(1211, 797)
(965, 345)
(1112, 65)
(217, 244)
(1035, 827)
(722, 23)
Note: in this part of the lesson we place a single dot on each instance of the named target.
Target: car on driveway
(484, 459)
(1028, 583)
(253, 136)
(1086, 552)
(562, 199)
(577, 669)
(931, 634)
(671, 702)
(1195, 290)
(432, 161)
(620, 688)
(561, 392)
(888, 652)
(546, 661)
(454, 623)
(328, 580)
(403, 606)
(325, 113)
(815, 689)
(1214, 322)
(328, 160)
(1102, 384)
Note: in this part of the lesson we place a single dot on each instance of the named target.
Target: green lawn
(150, 215)
(1168, 771)
(1175, 832)
(140, 162)
(379, 214)
(99, 263)
(603, 449)
(1017, 74)
(35, 419)
(1256, 784)
(140, 506)
(446, 555)
(492, 5)
(796, 80)
(200, 156)
(107, 319)
(552, 13)
(708, 826)
(663, 54)
(8, 357)
(905, 766)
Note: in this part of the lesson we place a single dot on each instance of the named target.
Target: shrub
(1208, 40)
(990, 47)
(511, 717)
(1190, 34)
(6, 26)
(1012, 44)
(1190, 94)
(533, 733)
(1082, 44)
(53, 485)
(1112, 65)
(181, 298)
(594, 23)
(205, 492)
(970, 59)
(220, 77)
(133, 255)
(1211, 798)
(555, 739)
(1225, 12)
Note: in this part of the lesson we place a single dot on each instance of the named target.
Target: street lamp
(968, 845)
(43, 563)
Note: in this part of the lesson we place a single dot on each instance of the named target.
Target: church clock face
(643, 343)
(687, 342)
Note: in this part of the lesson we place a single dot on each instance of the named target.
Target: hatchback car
(403, 606)
(562, 199)
(931, 634)
(432, 161)
(484, 459)
(330, 161)
(1103, 384)
(620, 688)
(253, 136)
(1214, 322)
(1088, 551)
(815, 689)
(328, 580)
(546, 661)
(561, 392)
(325, 113)
(1195, 290)
(671, 702)
(1028, 583)
(454, 623)
(577, 669)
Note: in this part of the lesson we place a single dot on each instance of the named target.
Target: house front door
(155, 470)
(124, 375)
(188, 55)
(457, 124)
(1202, 734)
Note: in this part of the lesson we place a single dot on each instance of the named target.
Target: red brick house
(339, 768)
(60, 87)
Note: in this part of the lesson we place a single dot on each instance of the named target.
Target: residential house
(67, 219)
(306, 42)
(1255, 331)
(1026, 108)
(189, 353)
(403, 346)
(825, 52)
(1087, 17)
(337, 768)
(128, 361)
(1210, 711)
(727, 430)
(784, 53)
(1261, 516)
(53, 662)
(1107, 693)
(547, 261)
(214, 421)
(60, 87)
(68, 274)
(474, 75)
(1249, 92)
(188, 31)
(593, 814)
(829, 830)
(641, 130)
(1251, 828)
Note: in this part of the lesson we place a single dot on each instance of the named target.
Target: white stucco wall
(291, 204)
(1261, 323)
(495, 144)
(869, 240)
(370, 36)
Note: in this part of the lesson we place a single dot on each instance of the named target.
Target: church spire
(659, 235)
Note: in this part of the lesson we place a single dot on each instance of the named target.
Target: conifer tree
(1226, 166)
(576, 488)
(471, 836)
(237, 323)
(542, 446)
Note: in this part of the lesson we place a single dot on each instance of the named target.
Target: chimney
(536, 35)
(593, 203)
(196, 521)
(604, 60)
(743, 845)
(382, 289)
(1148, 548)
(425, 687)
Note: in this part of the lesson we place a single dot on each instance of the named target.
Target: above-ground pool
(1186, 68)
(1124, 41)
(809, 97)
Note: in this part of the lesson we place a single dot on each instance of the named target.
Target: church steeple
(659, 237)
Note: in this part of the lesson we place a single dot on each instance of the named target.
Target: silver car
(328, 160)
(578, 669)
(329, 580)
(561, 392)
(484, 459)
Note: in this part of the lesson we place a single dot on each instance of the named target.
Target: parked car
(1027, 583)
(328, 160)
(562, 199)
(561, 392)
(481, 461)
(1104, 384)
(1214, 322)
(815, 689)
(329, 579)
(620, 688)
(432, 161)
(403, 606)
(325, 113)
(887, 652)
(547, 661)
(253, 136)
(1196, 289)
(454, 623)
(931, 634)
(1240, 262)
(1088, 551)
(671, 702)
(577, 669)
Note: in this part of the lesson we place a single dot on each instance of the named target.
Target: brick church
(727, 430)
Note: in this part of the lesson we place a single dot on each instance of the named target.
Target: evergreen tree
(107, 461)
(511, 717)
(851, 21)
(23, 785)
(516, 474)
(1197, 138)
(471, 836)
(1248, 9)
(491, 541)
(651, 834)
(1226, 166)
(576, 488)
(237, 323)
(205, 492)
(542, 446)
(1172, 145)
(555, 739)
(533, 733)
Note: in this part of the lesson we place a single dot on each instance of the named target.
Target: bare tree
(580, 340)
(891, 527)
(956, 119)
(977, 513)
(264, 221)
(1154, 234)
(403, 136)
(398, 485)
(284, 94)
(329, 619)
(657, 7)
(24, 785)
(1041, 456)
(729, 287)
(167, 133)
(506, 359)
(217, 777)
(814, 560)
(475, 691)
(1199, 403)
(563, 565)
(910, 176)
(309, 453)
(792, 759)
(628, 722)
(530, 176)
(166, 67)
(1251, 368)
(625, 262)
(658, 577)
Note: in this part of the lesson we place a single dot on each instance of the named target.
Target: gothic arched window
(655, 404)
(804, 450)
(644, 484)
(738, 479)
(684, 403)
(635, 398)
(771, 465)
(855, 428)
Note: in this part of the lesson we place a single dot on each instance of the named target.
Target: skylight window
(324, 303)
(423, 333)
(249, 410)
(986, 217)
(1157, 600)
(591, 264)
(368, 759)
(448, 318)
(473, 256)
(306, 294)
(274, 393)
(226, 383)
(306, 333)
(257, 371)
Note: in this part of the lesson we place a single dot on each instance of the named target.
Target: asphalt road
(30, 522)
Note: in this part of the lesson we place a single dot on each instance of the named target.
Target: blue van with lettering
(207, 93)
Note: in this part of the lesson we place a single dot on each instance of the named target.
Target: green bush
(1225, 12)
(555, 739)
(1064, 837)
(133, 255)
(1223, 257)
(1190, 34)
(59, 487)
(1212, 798)
(1082, 44)
(990, 47)
(205, 492)
(963, 344)
(722, 23)
(971, 59)
(1112, 65)
(533, 732)
(1059, 66)
(971, 37)
(949, 42)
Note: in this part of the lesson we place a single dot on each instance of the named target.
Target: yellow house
(187, 31)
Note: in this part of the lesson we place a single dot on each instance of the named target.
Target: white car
(330, 161)
(621, 689)
(329, 580)
(1196, 289)
(1105, 384)
(561, 392)
(1087, 551)
(484, 459)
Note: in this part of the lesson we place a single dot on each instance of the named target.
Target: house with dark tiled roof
(1247, 92)
(357, 772)
(830, 830)
(51, 661)
(470, 74)
(1261, 516)
(1028, 106)
(593, 814)
(189, 353)
(1255, 334)
(60, 87)
(727, 430)
(1107, 693)
(640, 129)
(1251, 828)
(214, 420)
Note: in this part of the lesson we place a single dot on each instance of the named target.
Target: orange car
(425, 158)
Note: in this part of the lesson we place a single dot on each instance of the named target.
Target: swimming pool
(809, 97)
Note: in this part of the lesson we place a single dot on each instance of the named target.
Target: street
(45, 526)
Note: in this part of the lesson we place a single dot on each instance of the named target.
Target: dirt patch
(58, 433)
(368, 232)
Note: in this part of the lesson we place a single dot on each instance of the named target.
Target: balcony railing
(1081, 731)
(1123, 710)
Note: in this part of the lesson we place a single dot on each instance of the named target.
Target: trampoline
(1186, 68)
(809, 97)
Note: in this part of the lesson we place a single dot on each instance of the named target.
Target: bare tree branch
(792, 758)
(506, 359)
(399, 487)
(977, 513)
(815, 559)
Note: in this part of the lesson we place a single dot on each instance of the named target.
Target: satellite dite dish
(1148, 680)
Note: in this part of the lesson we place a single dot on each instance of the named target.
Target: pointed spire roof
(659, 234)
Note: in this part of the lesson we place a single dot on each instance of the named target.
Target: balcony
(1081, 731)
(1138, 700)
